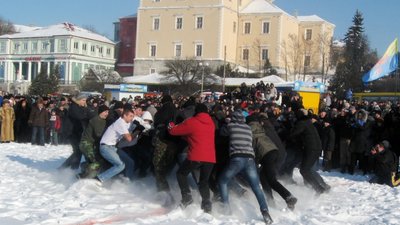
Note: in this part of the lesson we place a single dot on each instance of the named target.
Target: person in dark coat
(38, 120)
(328, 143)
(360, 144)
(22, 113)
(115, 113)
(267, 154)
(311, 144)
(78, 115)
(386, 163)
(344, 132)
(165, 147)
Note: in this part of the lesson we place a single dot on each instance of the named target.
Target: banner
(387, 64)
(133, 88)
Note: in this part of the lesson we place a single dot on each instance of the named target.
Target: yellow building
(246, 32)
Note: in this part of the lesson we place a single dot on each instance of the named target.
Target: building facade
(125, 37)
(24, 55)
(243, 33)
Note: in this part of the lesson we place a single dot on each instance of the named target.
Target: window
(247, 27)
(25, 46)
(234, 27)
(307, 60)
(179, 23)
(92, 48)
(34, 46)
(156, 0)
(153, 50)
(199, 50)
(84, 47)
(178, 50)
(2, 47)
(108, 51)
(264, 54)
(156, 23)
(308, 34)
(199, 22)
(152, 70)
(76, 45)
(265, 28)
(63, 44)
(44, 45)
(245, 54)
(101, 50)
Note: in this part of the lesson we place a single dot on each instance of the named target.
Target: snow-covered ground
(33, 191)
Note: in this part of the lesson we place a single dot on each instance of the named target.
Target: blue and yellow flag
(387, 64)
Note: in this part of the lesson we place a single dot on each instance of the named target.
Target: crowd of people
(251, 136)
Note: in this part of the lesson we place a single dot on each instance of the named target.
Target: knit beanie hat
(237, 117)
(102, 108)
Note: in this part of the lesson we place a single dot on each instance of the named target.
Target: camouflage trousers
(93, 160)
(164, 159)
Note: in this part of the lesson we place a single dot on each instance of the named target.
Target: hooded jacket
(262, 144)
(199, 132)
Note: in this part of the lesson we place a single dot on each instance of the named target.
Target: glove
(171, 125)
(136, 123)
(140, 128)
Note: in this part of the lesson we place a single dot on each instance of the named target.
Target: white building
(23, 55)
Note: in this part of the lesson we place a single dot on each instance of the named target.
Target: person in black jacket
(22, 112)
(386, 163)
(79, 118)
(165, 148)
(344, 132)
(328, 143)
(307, 133)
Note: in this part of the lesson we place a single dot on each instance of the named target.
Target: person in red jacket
(199, 132)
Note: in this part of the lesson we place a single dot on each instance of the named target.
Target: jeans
(248, 167)
(129, 164)
(54, 137)
(182, 176)
(37, 130)
(109, 153)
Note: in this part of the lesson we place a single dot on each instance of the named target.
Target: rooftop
(261, 6)
(61, 29)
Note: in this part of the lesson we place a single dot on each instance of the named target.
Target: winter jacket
(79, 118)
(7, 118)
(362, 128)
(199, 133)
(39, 117)
(305, 131)
(262, 144)
(94, 130)
(166, 114)
(386, 163)
(240, 136)
(328, 139)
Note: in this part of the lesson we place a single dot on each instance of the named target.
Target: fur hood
(363, 115)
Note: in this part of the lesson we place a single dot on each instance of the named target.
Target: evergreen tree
(349, 72)
(267, 69)
(44, 84)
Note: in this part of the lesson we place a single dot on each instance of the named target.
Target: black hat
(102, 108)
(166, 98)
(201, 108)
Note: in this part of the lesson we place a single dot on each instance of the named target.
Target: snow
(35, 192)
(156, 78)
(312, 18)
(23, 28)
(62, 29)
(261, 6)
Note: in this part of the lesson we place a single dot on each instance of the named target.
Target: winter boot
(186, 201)
(206, 206)
(291, 202)
(266, 216)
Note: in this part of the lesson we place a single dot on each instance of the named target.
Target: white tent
(157, 79)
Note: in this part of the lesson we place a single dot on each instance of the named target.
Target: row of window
(178, 23)
(247, 27)
(44, 46)
(178, 50)
(246, 54)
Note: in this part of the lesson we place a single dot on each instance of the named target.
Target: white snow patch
(34, 192)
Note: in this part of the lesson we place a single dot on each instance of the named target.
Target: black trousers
(309, 174)
(269, 171)
(182, 176)
(74, 159)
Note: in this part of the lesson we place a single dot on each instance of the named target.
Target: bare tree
(295, 54)
(94, 79)
(307, 50)
(6, 27)
(325, 48)
(187, 73)
(285, 58)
